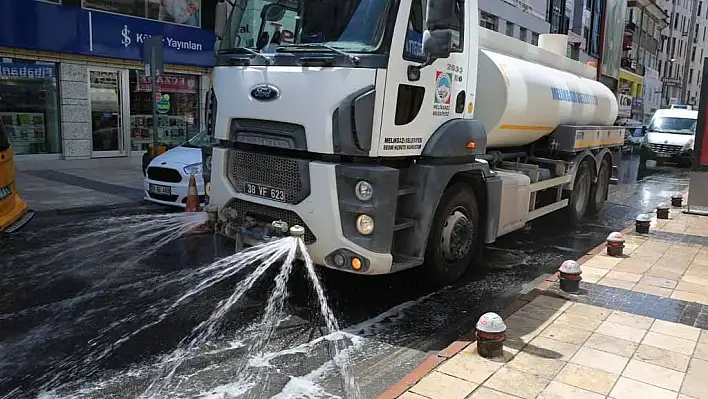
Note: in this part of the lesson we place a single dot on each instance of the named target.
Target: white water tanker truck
(400, 138)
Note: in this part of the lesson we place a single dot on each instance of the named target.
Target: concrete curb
(432, 361)
(90, 209)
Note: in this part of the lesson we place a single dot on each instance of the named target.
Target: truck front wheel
(453, 236)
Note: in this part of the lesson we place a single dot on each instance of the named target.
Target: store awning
(631, 76)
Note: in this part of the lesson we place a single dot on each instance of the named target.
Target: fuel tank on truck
(520, 99)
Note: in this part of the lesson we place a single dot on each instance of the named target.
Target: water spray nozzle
(280, 225)
(297, 231)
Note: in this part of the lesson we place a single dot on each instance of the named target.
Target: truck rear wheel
(580, 196)
(454, 235)
(598, 195)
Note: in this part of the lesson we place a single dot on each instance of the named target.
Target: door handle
(460, 102)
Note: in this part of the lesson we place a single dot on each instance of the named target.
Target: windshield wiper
(234, 50)
(352, 58)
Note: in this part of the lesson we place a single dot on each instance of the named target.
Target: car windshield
(199, 140)
(673, 125)
(266, 26)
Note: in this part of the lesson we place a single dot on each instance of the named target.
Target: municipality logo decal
(443, 87)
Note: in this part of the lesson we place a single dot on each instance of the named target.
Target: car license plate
(275, 194)
(663, 155)
(162, 190)
(5, 192)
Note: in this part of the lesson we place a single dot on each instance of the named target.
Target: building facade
(684, 44)
(72, 80)
(522, 19)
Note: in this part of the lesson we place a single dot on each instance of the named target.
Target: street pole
(601, 41)
(153, 80)
(687, 59)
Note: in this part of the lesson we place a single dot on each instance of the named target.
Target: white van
(670, 135)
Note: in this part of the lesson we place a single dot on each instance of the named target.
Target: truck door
(413, 110)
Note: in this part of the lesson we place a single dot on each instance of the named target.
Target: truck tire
(454, 235)
(580, 196)
(598, 194)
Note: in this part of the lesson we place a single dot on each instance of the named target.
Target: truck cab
(398, 133)
(670, 135)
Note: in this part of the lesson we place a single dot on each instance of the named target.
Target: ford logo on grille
(265, 92)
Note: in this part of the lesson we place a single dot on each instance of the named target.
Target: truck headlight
(364, 190)
(687, 146)
(365, 225)
(193, 169)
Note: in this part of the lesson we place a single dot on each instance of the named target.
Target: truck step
(403, 262)
(402, 224)
(406, 190)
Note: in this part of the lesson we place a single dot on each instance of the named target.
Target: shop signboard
(13, 70)
(171, 83)
(74, 30)
(625, 105)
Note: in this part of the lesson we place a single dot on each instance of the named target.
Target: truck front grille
(264, 214)
(290, 175)
(665, 148)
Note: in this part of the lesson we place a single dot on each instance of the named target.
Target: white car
(167, 176)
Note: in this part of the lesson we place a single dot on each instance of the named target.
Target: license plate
(663, 155)
(5, 192)
(275, 194)
(162, 190)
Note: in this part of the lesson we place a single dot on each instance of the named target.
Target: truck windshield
(269, 25)
(673, 125)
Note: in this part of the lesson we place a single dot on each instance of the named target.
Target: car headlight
(363, 190)
(365, 225)
(193, 169)
(687, 146)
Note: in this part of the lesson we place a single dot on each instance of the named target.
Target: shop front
(630, 95)
(72, 83)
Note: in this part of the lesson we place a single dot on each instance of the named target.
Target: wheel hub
(457, 236)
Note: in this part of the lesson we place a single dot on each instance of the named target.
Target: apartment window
(681, 48)
(534, 38)
(587, 4)
(523, 34)
(673, 47)
(700, 4)
(704, 32)
(675, 21)
(693, 53)
(488, 21)
(660, 63)
(171, 11)
(690, 75)
(510, 29)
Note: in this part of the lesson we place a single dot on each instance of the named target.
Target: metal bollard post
(615, 244)
(642, 223)
(491, 333)
(662, 211)
(570, 278)
(677, 200)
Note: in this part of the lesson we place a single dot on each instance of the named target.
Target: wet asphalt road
(61, 314)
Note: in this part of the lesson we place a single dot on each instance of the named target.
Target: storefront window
(29, 105)
(177, 109)
(184, 12)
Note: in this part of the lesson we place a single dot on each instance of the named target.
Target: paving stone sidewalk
(62, 185)
(638, 330)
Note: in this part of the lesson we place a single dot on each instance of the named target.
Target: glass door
(108, 113)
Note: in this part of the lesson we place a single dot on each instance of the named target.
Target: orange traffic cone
(192, 196)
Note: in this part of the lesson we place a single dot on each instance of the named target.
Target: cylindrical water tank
(520, 101)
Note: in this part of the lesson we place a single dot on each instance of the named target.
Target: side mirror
(221, 15)
(644, 130)
(437, 43)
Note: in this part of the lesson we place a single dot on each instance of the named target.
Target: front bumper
(178, 192)
(320, 212)
(682, 156)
